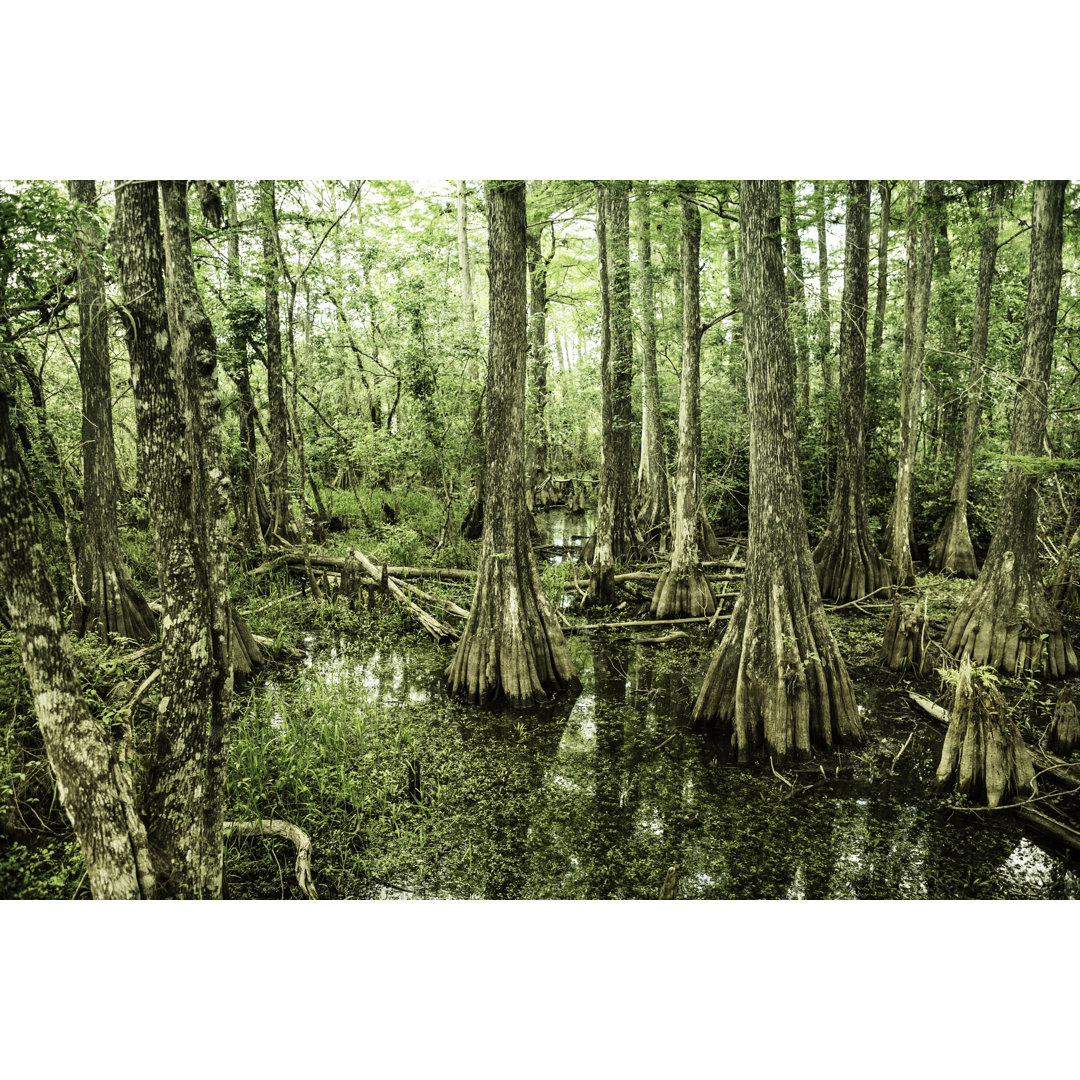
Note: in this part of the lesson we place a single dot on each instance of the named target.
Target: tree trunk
(193, 688)
(683, 590)
(847, 562)
(465, 265)
(247, 505)
(824, 320)
(1006, 620)
(105, 598)
(885, 190)
(654, 496)
(616, 531)
(195, 358)
(511, 647)
(1065, 730)
(536, 471)
(899, 530)
(953, 551)
(796, 292)
(777, 679)
(95, 791)
(280, 526)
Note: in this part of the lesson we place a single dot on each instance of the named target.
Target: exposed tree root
(777, 681)
(984, 752)
(1065, 731)
(110, 603)
(905, 639)
(247, 657)
(847, 564)
(511, 648)
(952, 551)
(286, 831)
(1006, 622)
(706, 538)
(678, 595)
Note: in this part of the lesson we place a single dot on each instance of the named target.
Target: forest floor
(407, 793)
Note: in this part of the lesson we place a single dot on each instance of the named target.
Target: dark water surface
(598, 795)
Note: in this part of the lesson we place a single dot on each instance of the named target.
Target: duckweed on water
(408, 794)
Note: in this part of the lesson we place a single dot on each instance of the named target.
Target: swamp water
(597, 795)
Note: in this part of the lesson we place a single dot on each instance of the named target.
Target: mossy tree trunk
(777, 680)
(185, 751)
(1006, 620)
(194, 350)
(94, 789)
(920, 262)
(683, 590)
(511, 648)
(953, 551)
(106, 598)
(847, 562)
(653, 492)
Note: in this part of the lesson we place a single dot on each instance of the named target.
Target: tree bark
(511, 648)
(777, 679)
(106, 598)
(653, 494)
(899, 530)
(95, 791)
(683, 590)
(848, 564)
(953, 551)
(1006, 620)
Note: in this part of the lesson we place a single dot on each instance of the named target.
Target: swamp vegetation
(550, 540)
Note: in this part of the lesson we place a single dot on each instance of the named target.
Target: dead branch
(427, 621)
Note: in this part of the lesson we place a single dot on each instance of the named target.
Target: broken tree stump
(905, 639)
(1065, 730)
(349, 583)
(984, 752)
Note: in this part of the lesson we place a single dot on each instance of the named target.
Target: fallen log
(663, 639)
(286, 831)
(579, 627)
(426, 620)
